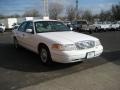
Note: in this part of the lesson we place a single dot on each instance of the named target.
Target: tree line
(58, 11)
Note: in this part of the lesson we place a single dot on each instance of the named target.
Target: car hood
(67, 37)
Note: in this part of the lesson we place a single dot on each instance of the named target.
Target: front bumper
(75, 56)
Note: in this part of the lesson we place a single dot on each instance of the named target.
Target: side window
(22, 27)
(29, 25)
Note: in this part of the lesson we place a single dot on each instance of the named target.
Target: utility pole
(76, 5)
(76, 13)
(46, 15)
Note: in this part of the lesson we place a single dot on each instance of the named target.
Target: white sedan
(115, 25)
(104, 25)
(54, 41)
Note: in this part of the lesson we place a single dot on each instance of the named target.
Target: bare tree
(105, 16)
(31, 13)
(14, 16)
(2, 16)
(87, 15)
(55, 9)
(116, 11)
(71, 13)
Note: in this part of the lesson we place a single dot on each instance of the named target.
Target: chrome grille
(85, 44)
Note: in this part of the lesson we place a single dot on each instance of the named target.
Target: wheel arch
(48, 50)
(42, 45)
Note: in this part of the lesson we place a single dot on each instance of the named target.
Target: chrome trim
(85, 44)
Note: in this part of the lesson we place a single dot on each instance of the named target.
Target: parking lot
(22, 68)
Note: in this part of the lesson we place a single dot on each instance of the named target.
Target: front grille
(85, 44)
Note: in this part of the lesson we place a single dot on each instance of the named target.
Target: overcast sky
(19, 6)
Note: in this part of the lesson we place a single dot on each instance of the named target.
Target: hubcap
(43, 55)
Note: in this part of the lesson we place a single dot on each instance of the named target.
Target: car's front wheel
(45, 55)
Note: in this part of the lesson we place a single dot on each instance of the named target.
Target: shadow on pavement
(113, 57)
(25, 60)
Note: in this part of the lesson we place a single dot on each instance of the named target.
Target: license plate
(90, 54)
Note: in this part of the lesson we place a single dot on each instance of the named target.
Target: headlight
(67, 47)
(97, 43)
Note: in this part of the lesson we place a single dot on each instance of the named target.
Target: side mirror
(29, 30)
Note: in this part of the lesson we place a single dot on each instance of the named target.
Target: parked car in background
(96, 27)
(2, 27)
(115, 25)
(68, 24)
(104, 26)
(54, 41)
(16, 25)
(118, 22)
(80, 25)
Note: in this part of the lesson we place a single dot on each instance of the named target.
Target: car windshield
(50, 26)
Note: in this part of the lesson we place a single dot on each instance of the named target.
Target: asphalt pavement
(21, 69)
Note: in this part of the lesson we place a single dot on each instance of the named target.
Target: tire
(2, 31)
(90, 31)
(16, 45)
(45, 55)
(96, 29)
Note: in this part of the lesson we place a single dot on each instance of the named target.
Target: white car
(115, 25)
(2, 27)
(95, 27)
(54, 41)
(15, 27)
(79, 25)
(104, 25)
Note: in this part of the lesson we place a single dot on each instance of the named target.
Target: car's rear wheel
(45, 55)
(16, 45)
